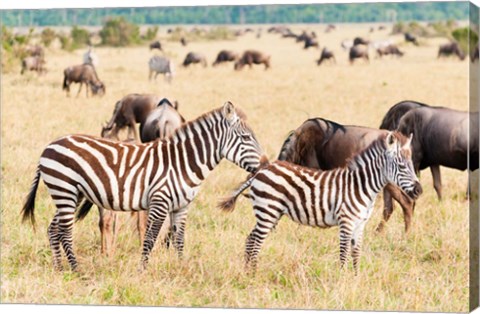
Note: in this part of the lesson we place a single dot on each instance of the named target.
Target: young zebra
(343, 196)
(163, 176)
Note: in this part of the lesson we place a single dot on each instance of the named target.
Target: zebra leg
(65, 218)
(156, 217)
(178, 225)
(54, 238)
(346, 231)
(108, 230)
(357, 245)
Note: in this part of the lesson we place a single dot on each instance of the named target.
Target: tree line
(252, 14)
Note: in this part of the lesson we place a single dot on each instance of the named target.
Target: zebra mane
(358, 161)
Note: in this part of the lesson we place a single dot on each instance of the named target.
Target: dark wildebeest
(326, 55)
(450, 49)
(131, 109)
(225, 56)
(360, 41)
(440, 137)
(83, 74)
(323, 144)
(302, 37)
(251, 57)
(35, 63)
(161, 65)
(475, 54)
(160, 123)
(183, 41)
(389, 50)
(193, 58)
(358, 51)
(409, 38)
(310, 42)
(156, 45)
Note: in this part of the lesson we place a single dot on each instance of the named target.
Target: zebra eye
(246, 137)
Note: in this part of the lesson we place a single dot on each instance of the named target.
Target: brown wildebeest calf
(161, 123)
(193, 58)
(326, 145)
(450, 49)
(326, 55)
(35, 63)
(83, 74)
(357, 52)
(156, 45)
(131, 109)
(389, 50)
(225, 56)
(251, 57)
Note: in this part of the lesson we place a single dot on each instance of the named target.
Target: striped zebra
(162, 176)
(343, 196)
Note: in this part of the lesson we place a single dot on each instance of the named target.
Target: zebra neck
(369, 173)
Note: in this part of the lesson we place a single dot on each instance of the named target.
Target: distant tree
(48, 36)
(119, 32)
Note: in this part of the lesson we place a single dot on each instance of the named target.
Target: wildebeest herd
(327, 174)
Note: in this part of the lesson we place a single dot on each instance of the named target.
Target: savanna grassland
(425, 270)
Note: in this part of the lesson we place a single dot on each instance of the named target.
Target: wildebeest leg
(108, 224)
(437, 180)
(387, 209)
(142, 217)
(79, 89)
(390, 193)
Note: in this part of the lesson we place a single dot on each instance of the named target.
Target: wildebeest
(35, 63)
(225, 56)
(183, 41)
(161, 121)
(326, 55)
(357, 52)
(329, 28)
(156, 45)
(90, 57)
(475, 54)
(322, 144)
(193, 58)
(131, 109)
(251, 57)
(389, 50)
(310, 42)
(161, 65)
(35, 51)
(83, 74)
(302, 37)
(450, 49)
(360, 41)
(440, 137)
(409, 38)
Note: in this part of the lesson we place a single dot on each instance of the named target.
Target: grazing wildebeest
(409, 38)
(156, 45)
(440, 137)
(131, 109)
(326, 55)
(183, 41)
(360, 41)
(389, 50)
(251, 57)
(83, 74)
(322, 144)
(161, 121)
(35, 63)
(475, 54)
(193, 58)
(450, 49)
(90, 57)
(310, 42)
(302, 37)
(358, 51)
(35, 51)
(289, 34)
(225, 56)
(161, 65)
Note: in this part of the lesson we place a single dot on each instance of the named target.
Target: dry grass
(426, 270)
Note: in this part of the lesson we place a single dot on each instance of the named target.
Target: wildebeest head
(98, 89)
(238, 64)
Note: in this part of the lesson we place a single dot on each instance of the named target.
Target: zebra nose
(417, 190)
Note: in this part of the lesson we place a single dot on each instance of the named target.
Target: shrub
(465, 38)
(80, 37)
(47, 36)
(119, 32)
(151, 33)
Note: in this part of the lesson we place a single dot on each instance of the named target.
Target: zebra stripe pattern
(343, 196)
(163, 176)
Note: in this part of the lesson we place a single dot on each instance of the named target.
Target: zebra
(342, 196)
(161, 65)
(162, 176)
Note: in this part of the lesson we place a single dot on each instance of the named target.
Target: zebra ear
(391, 140)
(229, 111)
(409, 141)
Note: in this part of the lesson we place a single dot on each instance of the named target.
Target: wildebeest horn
(164, 101)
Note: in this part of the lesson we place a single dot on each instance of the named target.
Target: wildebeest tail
(65, 75)
(84, 209)
(29, 205)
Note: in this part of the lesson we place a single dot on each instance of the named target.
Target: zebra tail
(84, 210)
(29, 206)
